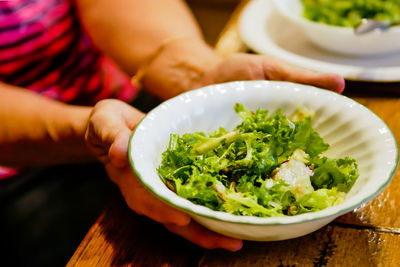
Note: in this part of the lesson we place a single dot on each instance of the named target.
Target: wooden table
(368, 236)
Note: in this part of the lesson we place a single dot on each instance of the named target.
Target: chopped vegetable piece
(267, 166)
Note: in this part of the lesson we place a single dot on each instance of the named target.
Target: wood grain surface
(334, 245)
(122, 238)
(367, 236)
(384, 210)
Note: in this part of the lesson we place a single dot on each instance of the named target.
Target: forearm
(133, 31)
(38, 131)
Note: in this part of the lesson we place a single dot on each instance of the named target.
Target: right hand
(109, 128)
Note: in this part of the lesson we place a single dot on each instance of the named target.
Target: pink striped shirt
(43, 49)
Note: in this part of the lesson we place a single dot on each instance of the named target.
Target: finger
(118, 153)
(140, 200)
(328, 81)
(111, 121)
(111, 116)
(151, 206)
(163, 213)
(291, 73)
(204, 237)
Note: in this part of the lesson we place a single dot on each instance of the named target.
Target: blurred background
(43, 220)
(212, 16)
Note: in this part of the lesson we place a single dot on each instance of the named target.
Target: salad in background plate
(349, 13)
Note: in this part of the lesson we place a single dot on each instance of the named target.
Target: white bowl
(350, 128)
(340, 39)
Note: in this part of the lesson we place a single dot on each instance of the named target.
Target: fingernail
(237, 247)
(183, 221)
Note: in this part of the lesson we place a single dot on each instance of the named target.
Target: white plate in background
(266, 32)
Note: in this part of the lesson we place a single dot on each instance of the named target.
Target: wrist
(70, 130)
(179, 66)
(77, 118)
(39, 130)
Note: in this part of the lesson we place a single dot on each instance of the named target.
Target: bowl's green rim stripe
(338, 213)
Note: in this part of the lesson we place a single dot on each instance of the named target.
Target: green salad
(269, 165)
(348, 13)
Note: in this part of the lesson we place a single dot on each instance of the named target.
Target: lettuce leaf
(266, 166)
(330, 173)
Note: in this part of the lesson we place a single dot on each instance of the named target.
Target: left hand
(187, 64)
(243, 66)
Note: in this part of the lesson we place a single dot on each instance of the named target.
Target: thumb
(328, 81)
(331, 82)
(118, 152)
(279, 70)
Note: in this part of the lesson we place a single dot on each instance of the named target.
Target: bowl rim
(253, 29)
(330, 212)
(343, 29)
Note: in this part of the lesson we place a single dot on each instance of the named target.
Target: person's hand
(243, 66)
(187, 64)
(110, 126)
